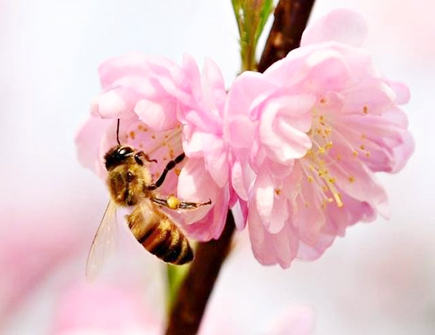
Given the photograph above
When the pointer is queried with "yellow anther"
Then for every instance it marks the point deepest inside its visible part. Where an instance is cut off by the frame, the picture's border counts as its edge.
(351, 179)
(331, 180)
(310, 179)
(365, 110)
(362, 147)
(321, 150)
(277, 191)
(322, 172)
(355, 153)
(328, 145)
(368, 154)
(173, 202)
(338, 199)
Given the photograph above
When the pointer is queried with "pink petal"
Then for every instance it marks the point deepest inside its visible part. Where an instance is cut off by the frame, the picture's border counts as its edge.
(270, 248)
(328, 68)
(403, 152)
(116, 103)
(309, 217)
(363, 186)
(283, 127)
(212, 225)
(342, 25)
(242, 177)
(401, 90)
(387, 146)
(135, 64)
(192, 79)
(217, 163)
(264, 195)
(245, 90)
(158, 115)
(352, 212)
(213, 150)
(88, 141)
(241, 131)
(196, 185)
(370, 96)
(279, 215)
(240, 212)
(214, 84)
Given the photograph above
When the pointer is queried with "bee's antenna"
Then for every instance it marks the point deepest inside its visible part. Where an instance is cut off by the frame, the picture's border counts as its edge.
(117, 133)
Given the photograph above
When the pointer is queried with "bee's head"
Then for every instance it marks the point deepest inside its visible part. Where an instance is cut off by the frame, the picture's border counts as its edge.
(117, 155)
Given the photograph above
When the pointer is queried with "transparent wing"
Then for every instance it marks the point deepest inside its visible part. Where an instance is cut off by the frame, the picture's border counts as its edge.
(104, 241)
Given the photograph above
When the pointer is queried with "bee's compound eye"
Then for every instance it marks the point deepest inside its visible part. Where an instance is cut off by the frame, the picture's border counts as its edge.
(125, 151)
(130, 176)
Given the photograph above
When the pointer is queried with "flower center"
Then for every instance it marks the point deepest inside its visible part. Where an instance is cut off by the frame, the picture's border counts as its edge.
(316, 161)
(162, 146)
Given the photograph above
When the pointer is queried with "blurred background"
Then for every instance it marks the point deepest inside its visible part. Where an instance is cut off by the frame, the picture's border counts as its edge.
(379, 279)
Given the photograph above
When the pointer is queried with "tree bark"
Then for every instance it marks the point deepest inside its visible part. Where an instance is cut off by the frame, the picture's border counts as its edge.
(291, 17)
(197, 286)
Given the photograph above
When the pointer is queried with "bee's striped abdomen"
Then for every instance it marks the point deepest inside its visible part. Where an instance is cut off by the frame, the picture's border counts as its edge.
(167, 242)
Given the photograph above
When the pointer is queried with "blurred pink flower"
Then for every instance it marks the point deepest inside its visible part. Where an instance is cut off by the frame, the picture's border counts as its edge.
(110, 309)
(166, 109)
(307, 136)
(104, 309)
(34, 243)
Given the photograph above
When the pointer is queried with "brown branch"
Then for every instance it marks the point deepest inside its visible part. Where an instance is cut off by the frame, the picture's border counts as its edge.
(196, 288)
(291, 17)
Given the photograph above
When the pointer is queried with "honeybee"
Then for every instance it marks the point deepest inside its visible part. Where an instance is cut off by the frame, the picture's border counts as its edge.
(130, 185)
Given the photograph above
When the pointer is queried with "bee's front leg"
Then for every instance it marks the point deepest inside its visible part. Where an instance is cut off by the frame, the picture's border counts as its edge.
(140, 156)
(169, 167)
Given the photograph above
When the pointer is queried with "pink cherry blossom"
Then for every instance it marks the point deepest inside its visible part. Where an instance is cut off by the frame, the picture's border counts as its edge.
(307, 136)
(165, 109)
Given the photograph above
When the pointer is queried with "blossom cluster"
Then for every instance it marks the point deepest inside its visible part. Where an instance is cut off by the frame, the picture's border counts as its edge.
(294, 148)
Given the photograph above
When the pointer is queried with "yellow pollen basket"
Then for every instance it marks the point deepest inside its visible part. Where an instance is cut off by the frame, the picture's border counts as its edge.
(173, 202)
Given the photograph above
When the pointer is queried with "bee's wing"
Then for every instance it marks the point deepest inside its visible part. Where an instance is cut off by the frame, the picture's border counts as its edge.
(104, 241)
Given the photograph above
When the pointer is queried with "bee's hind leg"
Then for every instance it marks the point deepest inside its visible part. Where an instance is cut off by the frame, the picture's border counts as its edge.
(175, 203)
